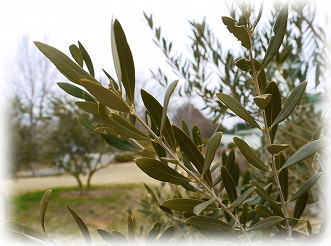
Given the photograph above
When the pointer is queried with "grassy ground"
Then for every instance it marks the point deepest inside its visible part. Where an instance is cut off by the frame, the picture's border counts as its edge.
(101, 207)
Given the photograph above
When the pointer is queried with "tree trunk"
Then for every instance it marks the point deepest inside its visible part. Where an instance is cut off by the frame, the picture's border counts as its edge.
(88, 182)
(79, 183)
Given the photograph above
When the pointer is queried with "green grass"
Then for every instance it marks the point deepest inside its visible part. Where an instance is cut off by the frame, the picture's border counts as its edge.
(103, 207)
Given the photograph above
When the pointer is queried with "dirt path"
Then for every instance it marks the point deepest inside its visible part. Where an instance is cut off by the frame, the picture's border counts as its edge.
(114, 174)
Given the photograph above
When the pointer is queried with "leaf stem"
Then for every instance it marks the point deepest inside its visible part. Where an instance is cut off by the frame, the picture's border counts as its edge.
(268, 140)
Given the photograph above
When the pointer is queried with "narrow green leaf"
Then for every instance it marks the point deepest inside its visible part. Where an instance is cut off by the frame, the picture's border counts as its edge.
(131, 230)
(196, 136)
(89, 107)
(160, 171)
(206, 222)
(211, 147)
(119, 143)
(155, 110)
(118, 236)
(88, 124)
(76, 54)
(237, 108)
(127, 74)
(239, 32)
(185, 128)
(105, 96)
(249, 154)
(283, 174)
(276, 40)
(42, 209)
(242, 197)
(64, 64)
(124, 128)
(86, 58)
(111, 80)
(266, 223)
(168, 233)
(304, 152)
(82, 226)
(167, 96)
(262, 192)
(300, 205)
(229, 184)
(106, 236)
(291, 102)
(75, 91)
(273, 108)
(262, 100)
(263, 211)
(202, 206)
(191, 151)
(276, 148)
(306, 186)
(155, 231)
(185, 204)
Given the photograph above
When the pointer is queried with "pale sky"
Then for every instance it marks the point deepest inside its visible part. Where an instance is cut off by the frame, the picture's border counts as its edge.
(65, 22)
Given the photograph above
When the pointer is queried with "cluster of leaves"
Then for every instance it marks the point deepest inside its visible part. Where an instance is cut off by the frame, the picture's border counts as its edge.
(223, 199)
(210, 68)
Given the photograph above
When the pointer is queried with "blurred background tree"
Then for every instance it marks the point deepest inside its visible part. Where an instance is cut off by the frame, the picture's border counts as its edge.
(73, 148)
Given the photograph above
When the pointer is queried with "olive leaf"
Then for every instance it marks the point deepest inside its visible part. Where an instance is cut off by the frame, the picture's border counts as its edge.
(160, 171)
(211, 147)
(184, 204)
(237, 108)
(305, 151)
(283, 174)
(206, 222)
(105, 96)
(290, 104)
(249, 154)
(119, 143)
(262, 192)
(276, 40)
(64, 64)
(124, 60)
(155, 110)
(106, 236)
(196, 136)
(89, 107)
(167, 96)
(300, 205)
(265, 223)
(168, 233)
(124, 128)
(202, 206)
(263, 211)
(276, 148)
(242, 197)
(191, 151)
(239, 32)
(262, 101)
(75, 91)
(82, 226)
(273, 108)
(152, 234)
(76, 54)
(131, 230)
(306, 185)
(86, 58)
(42, 209)
(229, 185)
